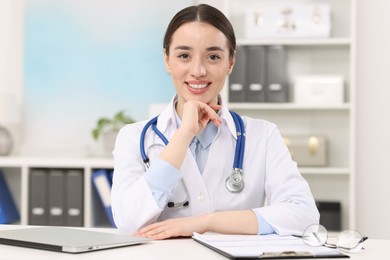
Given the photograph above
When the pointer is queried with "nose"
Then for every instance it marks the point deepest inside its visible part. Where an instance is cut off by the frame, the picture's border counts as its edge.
(198, 69)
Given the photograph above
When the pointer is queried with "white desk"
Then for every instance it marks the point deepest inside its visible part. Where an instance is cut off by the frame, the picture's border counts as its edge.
(172, 249)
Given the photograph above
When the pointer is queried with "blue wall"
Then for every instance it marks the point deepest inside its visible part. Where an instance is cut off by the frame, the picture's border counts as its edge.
(87, 59)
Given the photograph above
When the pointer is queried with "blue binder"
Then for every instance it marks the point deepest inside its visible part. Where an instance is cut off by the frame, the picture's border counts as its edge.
(102, 183)
(8, 211)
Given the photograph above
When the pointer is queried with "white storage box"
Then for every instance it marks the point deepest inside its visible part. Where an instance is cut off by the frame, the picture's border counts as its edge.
(319, 90)
(288, 20)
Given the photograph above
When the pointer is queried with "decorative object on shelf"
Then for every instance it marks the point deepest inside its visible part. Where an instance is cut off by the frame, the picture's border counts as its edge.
(9, 115)
(318, 90)
(109, 127)
(288, 20)
(308, 150)
(6, 142)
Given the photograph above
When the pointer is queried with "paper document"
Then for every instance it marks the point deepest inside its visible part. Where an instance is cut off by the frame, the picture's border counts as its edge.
(269, 246)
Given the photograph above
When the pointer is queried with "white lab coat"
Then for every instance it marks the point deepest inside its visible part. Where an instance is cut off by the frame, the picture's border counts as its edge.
(271, 177)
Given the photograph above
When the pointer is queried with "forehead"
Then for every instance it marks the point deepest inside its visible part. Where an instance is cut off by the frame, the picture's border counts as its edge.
(198, 35)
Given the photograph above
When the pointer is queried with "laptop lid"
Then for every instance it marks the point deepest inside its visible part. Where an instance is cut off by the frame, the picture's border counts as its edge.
(69, 240)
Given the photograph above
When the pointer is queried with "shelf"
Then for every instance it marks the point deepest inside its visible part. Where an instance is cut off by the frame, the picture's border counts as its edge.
(57, 162)
(286, 106)
(324, 171)
(296, 41)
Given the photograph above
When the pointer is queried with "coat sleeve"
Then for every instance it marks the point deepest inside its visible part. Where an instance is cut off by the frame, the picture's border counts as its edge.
(291, 206)
(133, 204)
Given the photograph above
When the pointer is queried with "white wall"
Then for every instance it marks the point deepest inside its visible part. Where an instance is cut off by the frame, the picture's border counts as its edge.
(11, 56)
(373, 120)
(11, 30)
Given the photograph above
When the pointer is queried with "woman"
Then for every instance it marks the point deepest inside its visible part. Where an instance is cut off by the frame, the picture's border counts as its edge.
(183, 191)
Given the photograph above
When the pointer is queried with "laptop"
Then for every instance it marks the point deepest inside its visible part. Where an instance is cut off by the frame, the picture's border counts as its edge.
(68, 240)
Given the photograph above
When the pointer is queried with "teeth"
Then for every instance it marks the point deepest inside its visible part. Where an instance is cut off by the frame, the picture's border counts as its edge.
(198, 86)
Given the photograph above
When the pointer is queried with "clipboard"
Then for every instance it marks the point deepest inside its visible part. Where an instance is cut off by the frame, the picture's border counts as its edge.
(251, 249)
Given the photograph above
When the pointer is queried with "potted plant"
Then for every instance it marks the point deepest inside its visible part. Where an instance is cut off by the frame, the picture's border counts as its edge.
(108, 128)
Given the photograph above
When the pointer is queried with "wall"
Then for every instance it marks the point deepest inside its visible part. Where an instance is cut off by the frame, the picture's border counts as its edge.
(373, 124)
(11, 60)
(11, 40)
(83, 60)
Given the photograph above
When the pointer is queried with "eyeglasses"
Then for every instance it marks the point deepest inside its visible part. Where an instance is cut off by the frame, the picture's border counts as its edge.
(348, 241)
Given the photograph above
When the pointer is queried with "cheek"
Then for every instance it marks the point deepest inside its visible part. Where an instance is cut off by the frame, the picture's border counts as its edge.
(178, 70)
(222, 72)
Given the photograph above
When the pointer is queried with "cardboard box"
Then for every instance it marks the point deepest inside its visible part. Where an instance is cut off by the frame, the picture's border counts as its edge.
(319, 90)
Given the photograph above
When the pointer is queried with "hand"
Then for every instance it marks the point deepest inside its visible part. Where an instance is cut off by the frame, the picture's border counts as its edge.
(196, 115)
(224, 222)
(178, 227)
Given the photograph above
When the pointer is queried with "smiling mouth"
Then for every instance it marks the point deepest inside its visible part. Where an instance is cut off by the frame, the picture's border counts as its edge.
(197, 86)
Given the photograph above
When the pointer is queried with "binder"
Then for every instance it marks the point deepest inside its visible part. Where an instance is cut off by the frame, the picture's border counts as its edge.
(255, 87)
(37, 197)
(276, 75)
(74, 206)
(56, 195)
(8, 211)
(330, 212)
(237, 78)
(102, 184)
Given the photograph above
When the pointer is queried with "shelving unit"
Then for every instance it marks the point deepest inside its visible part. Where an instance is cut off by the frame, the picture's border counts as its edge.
(334, 55)
(17, 170)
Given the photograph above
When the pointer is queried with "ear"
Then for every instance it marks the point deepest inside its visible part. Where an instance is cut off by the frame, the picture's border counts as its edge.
(166, 61)
(232, 62)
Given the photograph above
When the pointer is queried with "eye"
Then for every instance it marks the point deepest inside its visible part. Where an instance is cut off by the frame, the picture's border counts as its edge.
(214, 57)
(183, 56)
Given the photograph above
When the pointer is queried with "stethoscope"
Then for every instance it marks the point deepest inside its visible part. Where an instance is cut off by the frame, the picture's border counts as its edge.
(234, 183)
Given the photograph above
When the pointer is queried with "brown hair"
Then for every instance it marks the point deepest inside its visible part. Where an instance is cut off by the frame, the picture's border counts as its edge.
(202, 13)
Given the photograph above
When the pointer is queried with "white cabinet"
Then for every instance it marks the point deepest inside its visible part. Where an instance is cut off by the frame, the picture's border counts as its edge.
(17, 174)
(334, 55)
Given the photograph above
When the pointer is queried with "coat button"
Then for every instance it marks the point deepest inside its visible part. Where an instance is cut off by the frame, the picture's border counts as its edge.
(200, 196)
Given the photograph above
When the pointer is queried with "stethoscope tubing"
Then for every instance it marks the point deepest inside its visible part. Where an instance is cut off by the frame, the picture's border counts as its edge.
(240, 146)
(153, 123)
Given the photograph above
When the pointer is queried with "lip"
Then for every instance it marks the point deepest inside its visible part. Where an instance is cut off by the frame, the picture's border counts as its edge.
(198, 86)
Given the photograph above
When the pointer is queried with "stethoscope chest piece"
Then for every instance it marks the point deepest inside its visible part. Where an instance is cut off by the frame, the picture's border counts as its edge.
(235, 182)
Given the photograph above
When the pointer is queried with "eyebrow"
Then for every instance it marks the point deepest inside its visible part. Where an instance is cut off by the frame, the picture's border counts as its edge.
(214, 48)
(188, 48)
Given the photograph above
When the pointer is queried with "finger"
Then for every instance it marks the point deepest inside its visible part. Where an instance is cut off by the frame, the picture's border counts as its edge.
(148, 228)
(212, 115)
(162, 235)
(216, 120)
(154, 232)
(215, 106)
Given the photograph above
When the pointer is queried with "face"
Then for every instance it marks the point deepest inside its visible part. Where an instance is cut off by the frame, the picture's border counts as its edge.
(198, 62)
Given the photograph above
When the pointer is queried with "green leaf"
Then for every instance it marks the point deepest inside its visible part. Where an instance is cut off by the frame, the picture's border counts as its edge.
(113, 124)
